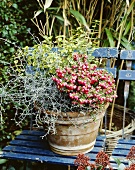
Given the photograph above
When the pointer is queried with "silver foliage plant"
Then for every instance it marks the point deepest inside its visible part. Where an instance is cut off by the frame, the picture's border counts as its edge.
(34, 95)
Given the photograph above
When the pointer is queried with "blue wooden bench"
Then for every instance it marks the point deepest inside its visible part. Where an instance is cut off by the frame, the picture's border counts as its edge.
(30, 146)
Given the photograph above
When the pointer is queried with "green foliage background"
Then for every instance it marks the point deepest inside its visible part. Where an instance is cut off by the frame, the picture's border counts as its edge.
(15, 25)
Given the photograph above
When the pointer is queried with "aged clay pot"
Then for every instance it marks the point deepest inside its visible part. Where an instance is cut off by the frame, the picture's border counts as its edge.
(74, 136)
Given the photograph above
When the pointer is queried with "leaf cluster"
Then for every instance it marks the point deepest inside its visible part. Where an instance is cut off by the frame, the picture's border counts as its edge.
(54, 53)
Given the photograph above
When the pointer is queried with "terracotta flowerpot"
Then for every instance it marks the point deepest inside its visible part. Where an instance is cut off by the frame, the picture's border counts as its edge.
(75, 136)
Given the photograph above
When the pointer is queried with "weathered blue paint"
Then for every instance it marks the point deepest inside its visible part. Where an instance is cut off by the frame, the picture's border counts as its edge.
(126, 74)
(30, 146)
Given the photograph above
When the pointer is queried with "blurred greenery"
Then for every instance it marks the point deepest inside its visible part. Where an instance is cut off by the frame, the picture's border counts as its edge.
(131, 99)
(15, 26)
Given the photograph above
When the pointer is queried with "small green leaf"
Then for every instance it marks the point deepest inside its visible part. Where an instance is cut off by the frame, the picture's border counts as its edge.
(53, 8)
(117, 161)
(106, 43)
(110, 37)
(127, 28)
(121, 167)
(4, 32)
(100, 167)
(47, 4)
(2, 161)
(11, 168)
(11, 50)
(126, 44)
(88, 168)
(79, 17)
(38, 12)
(14, 31)
(17, 132)
(6, 17)
(59, 17)
(5, 51)
(15, 6)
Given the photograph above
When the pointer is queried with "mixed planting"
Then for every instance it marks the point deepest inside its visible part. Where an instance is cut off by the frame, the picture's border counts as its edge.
(110, 23)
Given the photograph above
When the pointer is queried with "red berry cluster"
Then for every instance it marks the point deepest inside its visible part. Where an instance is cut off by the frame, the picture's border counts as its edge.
(131, 154)
(84, 83)
(131, 167)
(82, 162)
(131, 157)
(102, 159)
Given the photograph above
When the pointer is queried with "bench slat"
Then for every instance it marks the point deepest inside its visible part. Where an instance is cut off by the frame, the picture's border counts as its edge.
(123, 146)
(106, 52)
(127, 55)
(127, 74)
(38, 144)
(126, 141)
(29, 137)
(33, 132)
(38, 158)
(39, 151)
(121, 153)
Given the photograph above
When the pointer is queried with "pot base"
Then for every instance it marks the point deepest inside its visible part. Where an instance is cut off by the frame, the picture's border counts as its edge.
(70, 153)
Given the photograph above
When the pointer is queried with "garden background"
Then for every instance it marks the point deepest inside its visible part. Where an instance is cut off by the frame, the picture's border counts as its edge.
(25, 23)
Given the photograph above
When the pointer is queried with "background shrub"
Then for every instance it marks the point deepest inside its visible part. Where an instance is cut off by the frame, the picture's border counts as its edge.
(15, 26)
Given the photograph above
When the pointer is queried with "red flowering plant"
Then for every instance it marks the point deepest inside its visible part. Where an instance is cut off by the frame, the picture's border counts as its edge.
(101, 162)
(85, 85)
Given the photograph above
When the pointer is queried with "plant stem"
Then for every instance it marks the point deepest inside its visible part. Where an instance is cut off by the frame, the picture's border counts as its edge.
(100, 24)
